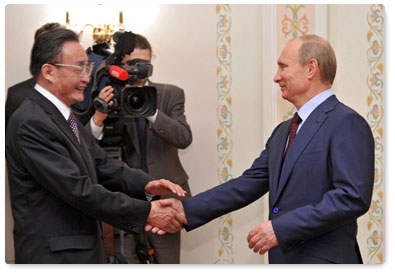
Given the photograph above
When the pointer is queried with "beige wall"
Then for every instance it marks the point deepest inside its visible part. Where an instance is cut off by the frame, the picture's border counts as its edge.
(357, 36)
(186, 41)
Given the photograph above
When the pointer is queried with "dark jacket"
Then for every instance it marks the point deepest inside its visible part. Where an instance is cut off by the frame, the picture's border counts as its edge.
(61, 190)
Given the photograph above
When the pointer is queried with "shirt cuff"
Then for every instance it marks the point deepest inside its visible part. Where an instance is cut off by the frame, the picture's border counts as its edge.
(97, 131)
(149, 197)
(152, 118)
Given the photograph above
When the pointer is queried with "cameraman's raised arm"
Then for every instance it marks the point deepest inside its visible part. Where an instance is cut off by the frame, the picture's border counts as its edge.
(96, 122)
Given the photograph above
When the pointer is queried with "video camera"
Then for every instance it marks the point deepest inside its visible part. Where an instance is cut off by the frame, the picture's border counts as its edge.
(129, 100)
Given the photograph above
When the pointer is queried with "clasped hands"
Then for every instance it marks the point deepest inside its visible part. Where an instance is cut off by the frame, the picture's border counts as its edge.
(166, 216)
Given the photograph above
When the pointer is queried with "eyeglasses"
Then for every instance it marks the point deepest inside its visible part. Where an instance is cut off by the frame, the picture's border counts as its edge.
(81, 69)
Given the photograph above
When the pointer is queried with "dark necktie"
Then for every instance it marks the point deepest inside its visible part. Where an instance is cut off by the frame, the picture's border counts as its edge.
(141, 124)
(73, 125)
(292, 131)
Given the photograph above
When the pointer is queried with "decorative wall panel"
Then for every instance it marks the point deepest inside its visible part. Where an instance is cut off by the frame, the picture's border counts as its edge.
(375, 118)
(224, 132)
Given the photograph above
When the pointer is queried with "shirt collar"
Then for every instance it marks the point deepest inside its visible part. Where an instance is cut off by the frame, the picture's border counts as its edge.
(309, 106)
(63, 108)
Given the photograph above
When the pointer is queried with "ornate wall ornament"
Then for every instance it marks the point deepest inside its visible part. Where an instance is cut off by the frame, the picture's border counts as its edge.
(295, 24)
(375, 118)
(293, 21)
(224, 132)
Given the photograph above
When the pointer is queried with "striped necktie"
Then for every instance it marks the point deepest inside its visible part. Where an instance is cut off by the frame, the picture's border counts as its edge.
(292, 131)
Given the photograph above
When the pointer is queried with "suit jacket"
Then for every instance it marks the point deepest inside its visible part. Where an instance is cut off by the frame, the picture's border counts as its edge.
(16, 94)
(165, 137)
(61, 190)
(315, 198)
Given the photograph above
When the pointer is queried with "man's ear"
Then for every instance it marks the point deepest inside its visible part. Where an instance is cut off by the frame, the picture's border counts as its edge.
(312, 68)
(48, 72)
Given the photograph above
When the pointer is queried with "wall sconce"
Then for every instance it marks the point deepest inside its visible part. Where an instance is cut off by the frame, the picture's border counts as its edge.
(97, 23)
(101, 33)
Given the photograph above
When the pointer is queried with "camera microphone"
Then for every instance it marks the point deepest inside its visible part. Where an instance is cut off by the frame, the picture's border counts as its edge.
(118, 73)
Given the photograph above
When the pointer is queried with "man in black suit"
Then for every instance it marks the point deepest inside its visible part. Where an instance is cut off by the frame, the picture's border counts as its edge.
(62, 184)
(18, 92)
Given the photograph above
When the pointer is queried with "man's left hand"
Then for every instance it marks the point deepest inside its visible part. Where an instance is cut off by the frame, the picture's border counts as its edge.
(163, 186)
(262, 238)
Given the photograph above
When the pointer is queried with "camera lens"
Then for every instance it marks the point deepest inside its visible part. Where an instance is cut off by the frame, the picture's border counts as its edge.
(135, 100)
(138, 101)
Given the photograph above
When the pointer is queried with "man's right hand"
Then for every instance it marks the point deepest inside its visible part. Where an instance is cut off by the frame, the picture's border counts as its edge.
(106, 94)
(176, 210)
(164, 217)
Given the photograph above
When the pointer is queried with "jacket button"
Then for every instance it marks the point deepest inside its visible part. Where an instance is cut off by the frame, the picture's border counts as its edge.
(275, 210)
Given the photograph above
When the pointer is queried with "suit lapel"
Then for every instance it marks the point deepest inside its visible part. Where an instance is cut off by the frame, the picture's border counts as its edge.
(59, 120)
(159, 100)
(304, 136)
(279, 147)
(54, 114)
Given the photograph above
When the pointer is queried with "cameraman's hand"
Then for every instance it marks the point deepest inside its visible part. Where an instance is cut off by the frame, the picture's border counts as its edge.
(106, 94)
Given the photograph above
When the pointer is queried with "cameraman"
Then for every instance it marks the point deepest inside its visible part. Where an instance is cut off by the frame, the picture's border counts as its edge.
(156, 152)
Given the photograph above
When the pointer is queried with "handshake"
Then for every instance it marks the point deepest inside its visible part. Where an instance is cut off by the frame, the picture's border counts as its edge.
(166, 215)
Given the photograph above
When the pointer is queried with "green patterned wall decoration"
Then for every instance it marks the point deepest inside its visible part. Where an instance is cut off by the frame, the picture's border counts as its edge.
(375, 118)
(224, 132)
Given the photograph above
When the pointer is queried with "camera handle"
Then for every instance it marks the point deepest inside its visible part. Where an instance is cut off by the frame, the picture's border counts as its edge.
(101, 105)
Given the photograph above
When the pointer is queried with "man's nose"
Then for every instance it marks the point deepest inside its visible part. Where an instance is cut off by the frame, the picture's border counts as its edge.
(86, 77)
(276, 77)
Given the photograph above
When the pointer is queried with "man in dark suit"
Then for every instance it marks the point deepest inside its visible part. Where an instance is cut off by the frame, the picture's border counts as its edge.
(17, 93)
(62, 184)
(166, 132)
(324, 182)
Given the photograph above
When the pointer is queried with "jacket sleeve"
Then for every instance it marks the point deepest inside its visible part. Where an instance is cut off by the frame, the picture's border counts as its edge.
(229, 196)
(171, 123)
